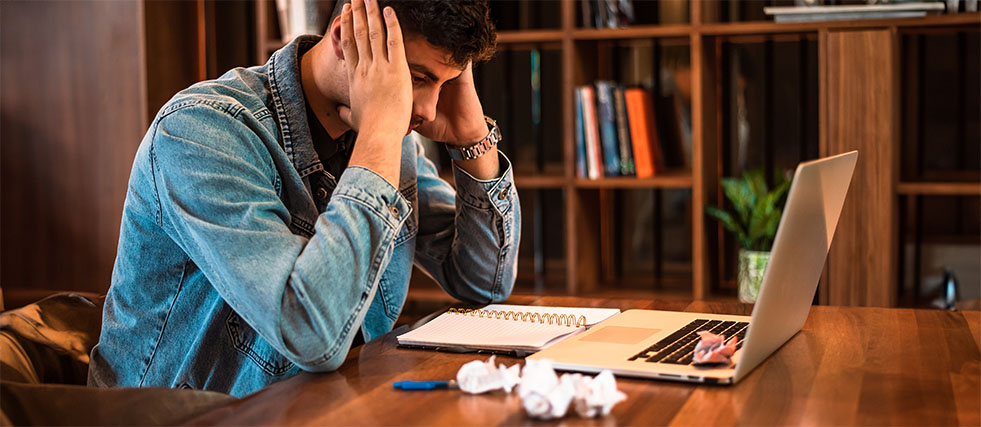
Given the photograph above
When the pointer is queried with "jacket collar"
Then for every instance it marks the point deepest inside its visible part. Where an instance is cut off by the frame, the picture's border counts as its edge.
(287, 94)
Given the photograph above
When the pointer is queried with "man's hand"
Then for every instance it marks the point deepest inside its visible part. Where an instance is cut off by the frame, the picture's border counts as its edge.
(459, 115)
(380, 86)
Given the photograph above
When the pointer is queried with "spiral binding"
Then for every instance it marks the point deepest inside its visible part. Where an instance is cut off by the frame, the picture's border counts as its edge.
(524, 316)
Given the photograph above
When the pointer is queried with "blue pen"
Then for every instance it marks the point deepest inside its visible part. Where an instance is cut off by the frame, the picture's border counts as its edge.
(424, 385)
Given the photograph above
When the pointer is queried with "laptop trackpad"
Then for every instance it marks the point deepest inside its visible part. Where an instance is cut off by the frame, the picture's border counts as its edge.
(620, 335)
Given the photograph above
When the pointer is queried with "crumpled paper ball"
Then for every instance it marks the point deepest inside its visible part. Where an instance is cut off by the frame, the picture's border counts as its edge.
(544, 395)
(477, 377)
(596, 396)
(713, 349)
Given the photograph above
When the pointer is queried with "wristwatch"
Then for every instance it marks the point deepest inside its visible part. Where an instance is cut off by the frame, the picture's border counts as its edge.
(477, 149)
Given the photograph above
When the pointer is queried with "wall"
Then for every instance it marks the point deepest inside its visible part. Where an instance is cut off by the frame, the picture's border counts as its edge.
(71, 118)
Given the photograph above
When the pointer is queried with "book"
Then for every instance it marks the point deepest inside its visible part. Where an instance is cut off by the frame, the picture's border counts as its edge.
(608, 128)
(503, 327)
(623, 133)
(643, 132)
(594, 164)
(587, 13)
(600, 17)
(580, 138)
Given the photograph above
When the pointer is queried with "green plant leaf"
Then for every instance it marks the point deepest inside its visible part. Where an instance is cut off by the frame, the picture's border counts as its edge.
(757, 208)
(757, 182)
(770, 229)
(729, 223)
(741, 197)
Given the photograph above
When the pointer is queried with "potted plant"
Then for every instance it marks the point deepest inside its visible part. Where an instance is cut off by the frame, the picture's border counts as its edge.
(753, 220)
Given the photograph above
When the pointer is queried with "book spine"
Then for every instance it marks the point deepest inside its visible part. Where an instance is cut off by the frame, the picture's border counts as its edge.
(587, 13)
(580, 138)
(623, 133)
(612, 14)
(608, 130)
(640, 124)
(600, 9)
(536, 109)
(594, 164)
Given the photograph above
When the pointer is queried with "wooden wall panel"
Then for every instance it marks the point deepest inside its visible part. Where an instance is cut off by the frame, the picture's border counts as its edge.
(174, 62)
(72, 118)
(861, 102)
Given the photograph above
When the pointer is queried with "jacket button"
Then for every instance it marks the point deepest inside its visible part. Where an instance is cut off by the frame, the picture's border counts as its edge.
(394, 210)
(502, 195)
(321, 193)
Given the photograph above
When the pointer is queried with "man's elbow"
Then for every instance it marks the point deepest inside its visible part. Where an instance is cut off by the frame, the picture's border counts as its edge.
(312, 351)
(322, 365)
(321, 361)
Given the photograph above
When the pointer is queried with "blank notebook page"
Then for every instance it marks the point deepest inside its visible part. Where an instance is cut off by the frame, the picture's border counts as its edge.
(454, 329)
(451, 329)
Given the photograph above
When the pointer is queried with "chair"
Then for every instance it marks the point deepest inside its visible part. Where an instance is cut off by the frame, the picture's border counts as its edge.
(44, 356)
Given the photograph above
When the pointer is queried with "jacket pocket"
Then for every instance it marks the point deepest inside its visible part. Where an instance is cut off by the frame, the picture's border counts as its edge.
(249, 343)
(411, 225)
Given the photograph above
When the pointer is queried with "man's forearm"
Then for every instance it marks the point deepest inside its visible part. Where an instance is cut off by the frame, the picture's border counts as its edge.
(487, 165)
(484, 167)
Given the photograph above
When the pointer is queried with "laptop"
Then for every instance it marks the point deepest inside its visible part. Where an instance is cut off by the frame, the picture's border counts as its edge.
(659, 344)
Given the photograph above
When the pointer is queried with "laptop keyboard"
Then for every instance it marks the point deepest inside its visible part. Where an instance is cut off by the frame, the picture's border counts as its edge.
(679, 347)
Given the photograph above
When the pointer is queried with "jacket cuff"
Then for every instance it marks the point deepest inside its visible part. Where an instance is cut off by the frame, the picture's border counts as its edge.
(498, 193)
(366, 187)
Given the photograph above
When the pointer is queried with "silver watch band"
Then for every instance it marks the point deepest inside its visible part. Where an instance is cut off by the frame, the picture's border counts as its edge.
(478, 148)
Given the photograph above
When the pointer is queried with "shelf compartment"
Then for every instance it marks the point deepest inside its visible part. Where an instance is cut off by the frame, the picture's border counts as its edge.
(939, 188)
(679, 180)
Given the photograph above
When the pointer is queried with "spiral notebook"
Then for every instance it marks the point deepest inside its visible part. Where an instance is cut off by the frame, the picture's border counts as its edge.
(515, 329)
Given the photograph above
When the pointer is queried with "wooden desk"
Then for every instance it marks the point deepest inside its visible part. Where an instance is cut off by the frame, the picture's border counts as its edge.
(847, 366)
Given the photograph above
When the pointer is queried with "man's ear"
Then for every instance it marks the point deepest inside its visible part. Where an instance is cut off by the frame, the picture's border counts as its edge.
(334, 32)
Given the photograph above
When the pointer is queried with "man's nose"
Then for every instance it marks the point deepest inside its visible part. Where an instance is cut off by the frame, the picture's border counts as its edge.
(424, 105)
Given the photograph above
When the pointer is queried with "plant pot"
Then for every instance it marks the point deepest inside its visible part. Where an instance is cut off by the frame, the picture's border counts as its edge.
(752, 265)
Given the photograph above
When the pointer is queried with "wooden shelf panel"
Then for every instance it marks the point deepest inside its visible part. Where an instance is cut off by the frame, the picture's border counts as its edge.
(539, 181)
(939, 188)
(713, 29)
(769, 27)
(529, 36)
(632, 32)
(679, 180)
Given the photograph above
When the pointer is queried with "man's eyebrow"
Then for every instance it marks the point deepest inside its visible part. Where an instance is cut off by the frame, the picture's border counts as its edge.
(419, 68)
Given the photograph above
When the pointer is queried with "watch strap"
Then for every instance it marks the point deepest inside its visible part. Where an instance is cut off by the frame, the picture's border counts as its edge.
(477, 149)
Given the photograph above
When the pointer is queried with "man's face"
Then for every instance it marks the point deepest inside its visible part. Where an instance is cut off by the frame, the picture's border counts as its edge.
(431, 73)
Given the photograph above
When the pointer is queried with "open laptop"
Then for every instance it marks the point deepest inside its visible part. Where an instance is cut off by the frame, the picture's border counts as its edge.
(659, 344)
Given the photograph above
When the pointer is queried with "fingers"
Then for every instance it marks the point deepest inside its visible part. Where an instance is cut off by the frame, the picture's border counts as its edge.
(348, 45)
(376, 30)
(396, 50)
(344, 113)
(361, 29)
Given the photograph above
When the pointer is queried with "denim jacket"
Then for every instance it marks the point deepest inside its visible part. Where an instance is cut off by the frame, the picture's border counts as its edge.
(228, 276)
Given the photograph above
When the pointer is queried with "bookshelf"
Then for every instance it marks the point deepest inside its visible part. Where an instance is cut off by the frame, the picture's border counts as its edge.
(832, 60)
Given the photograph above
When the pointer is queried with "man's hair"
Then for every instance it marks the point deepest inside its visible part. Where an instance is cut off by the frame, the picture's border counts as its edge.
(461, 27)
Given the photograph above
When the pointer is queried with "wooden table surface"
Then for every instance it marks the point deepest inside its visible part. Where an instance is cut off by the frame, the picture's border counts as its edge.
(848, 365)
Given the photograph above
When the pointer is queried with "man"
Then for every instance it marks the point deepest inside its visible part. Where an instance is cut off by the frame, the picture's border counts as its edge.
(274, 214)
